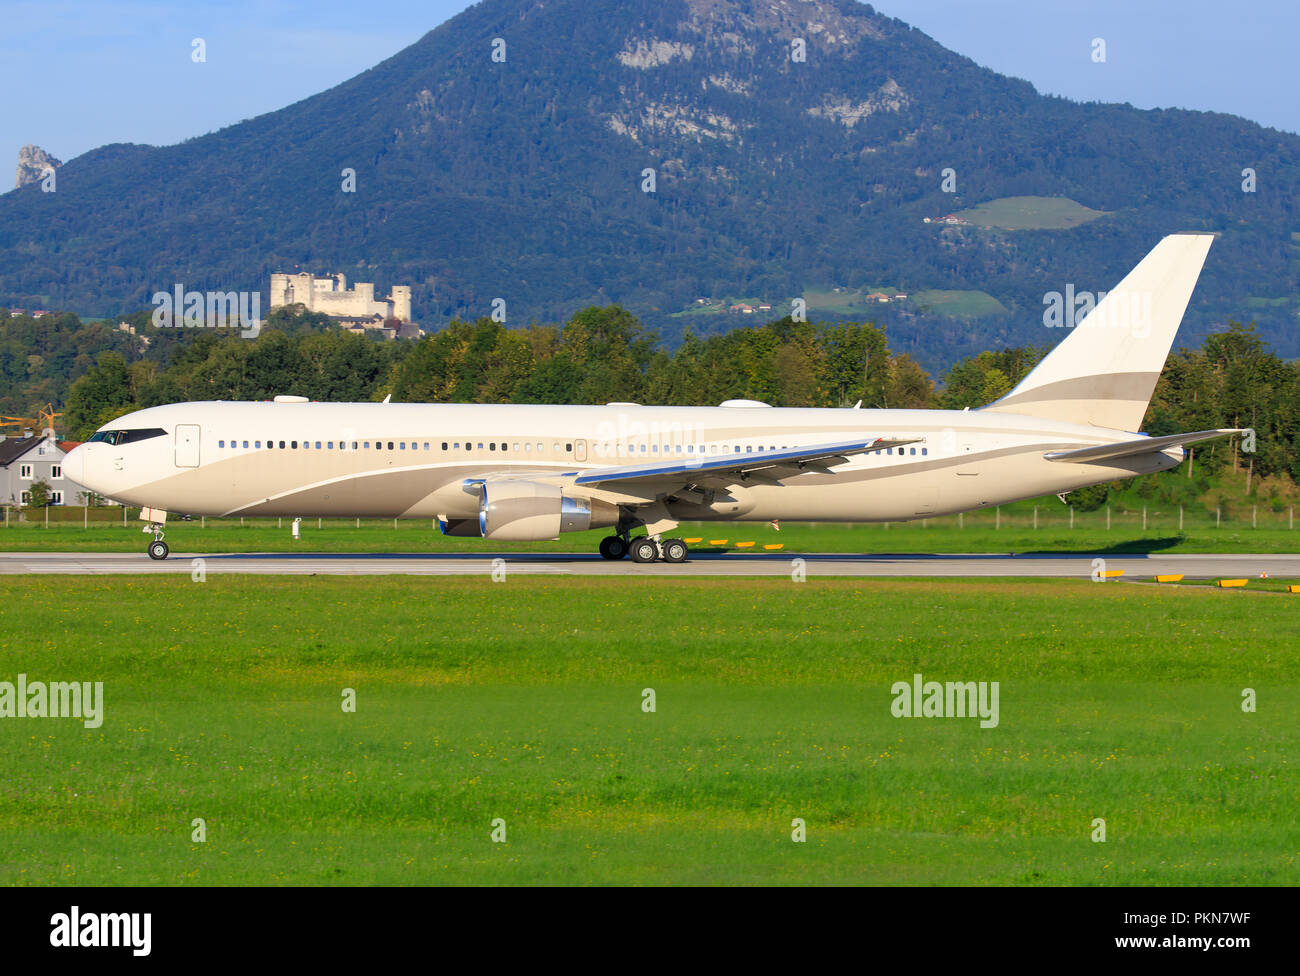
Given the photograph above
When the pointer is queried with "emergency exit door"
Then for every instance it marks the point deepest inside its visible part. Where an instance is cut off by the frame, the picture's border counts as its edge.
(187, 445)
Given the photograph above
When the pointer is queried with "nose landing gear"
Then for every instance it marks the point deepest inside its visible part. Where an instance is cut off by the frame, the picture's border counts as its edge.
(157, 549)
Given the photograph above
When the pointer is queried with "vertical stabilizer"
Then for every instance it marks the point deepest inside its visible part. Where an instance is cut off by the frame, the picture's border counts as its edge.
(1104, 372)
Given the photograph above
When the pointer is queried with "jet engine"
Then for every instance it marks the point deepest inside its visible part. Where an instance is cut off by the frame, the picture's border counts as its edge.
(526, 511)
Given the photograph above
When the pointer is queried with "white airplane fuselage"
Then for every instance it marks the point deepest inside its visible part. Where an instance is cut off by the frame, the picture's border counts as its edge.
(415, 460)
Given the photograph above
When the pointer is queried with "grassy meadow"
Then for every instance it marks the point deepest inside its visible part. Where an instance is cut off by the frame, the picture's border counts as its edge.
(523, 700)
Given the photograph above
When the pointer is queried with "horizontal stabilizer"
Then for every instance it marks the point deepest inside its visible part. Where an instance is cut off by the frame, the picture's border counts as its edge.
(1142, 445)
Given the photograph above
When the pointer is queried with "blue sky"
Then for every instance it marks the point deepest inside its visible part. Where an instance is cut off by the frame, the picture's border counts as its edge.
(82, 73)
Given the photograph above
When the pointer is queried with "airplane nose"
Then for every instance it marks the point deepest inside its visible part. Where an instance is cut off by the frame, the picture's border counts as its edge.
(74, 465)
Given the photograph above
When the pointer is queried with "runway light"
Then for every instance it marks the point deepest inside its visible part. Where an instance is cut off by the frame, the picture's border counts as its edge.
(1233, 582)
(691, 542)
(717, 542)
(1170, 578)
(743, 545)
(775, 545)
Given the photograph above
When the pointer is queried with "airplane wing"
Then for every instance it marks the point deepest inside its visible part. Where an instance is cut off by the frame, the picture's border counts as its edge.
(1142, 445)
(763, 467)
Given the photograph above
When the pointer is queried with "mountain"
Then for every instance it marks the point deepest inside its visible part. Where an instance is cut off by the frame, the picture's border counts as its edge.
(522, 179)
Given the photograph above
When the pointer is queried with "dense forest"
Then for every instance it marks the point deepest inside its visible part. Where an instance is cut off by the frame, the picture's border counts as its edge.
(603, 354)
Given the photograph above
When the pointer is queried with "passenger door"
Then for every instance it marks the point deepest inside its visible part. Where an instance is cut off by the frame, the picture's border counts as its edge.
(187, 445)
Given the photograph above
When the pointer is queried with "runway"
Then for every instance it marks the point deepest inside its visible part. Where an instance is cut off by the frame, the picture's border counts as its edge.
(1059, 565)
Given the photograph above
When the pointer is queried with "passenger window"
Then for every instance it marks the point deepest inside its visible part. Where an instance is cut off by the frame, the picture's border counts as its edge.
(924, 450)
(245, 443)
(282, 445)
(444, 445)
(221, 444)
(557, 448)
(528, 447)
(492, 446)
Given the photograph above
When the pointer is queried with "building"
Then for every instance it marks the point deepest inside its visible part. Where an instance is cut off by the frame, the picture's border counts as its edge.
(331, 296)
(26, 460)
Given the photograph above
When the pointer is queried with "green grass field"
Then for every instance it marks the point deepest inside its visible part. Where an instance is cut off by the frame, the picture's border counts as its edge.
(963, 304)
(1031, 213)
(1011, 529)
(522, 700)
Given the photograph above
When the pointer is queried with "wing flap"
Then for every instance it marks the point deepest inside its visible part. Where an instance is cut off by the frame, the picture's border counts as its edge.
(764, 466)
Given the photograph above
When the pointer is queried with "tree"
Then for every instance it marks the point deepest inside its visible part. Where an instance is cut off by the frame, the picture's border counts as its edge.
(99, 396)
(38, 495)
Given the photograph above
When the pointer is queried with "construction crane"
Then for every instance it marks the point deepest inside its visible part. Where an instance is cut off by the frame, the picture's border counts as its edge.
(44, 421)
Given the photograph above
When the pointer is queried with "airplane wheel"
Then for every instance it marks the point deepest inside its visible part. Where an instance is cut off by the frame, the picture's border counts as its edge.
(675, 551)
(644, 551)
(158, 550)
(613, 547)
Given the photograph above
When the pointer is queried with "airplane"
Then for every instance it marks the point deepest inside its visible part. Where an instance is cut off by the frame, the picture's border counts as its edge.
(504, 472)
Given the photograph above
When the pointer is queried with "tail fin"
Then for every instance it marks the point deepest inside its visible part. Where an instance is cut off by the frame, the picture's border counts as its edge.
(1104, 372)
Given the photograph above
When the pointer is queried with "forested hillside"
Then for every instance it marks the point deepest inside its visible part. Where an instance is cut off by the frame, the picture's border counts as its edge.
(774, 176)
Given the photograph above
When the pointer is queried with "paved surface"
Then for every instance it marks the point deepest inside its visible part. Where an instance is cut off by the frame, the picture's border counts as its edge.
(704, 564)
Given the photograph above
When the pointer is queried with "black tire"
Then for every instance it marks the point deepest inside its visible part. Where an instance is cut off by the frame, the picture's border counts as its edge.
(675, 551)
(613, 547)
(644, 551)
(158, 550)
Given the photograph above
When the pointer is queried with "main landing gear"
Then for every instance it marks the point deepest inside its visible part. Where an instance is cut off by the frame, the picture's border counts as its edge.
(644, 549)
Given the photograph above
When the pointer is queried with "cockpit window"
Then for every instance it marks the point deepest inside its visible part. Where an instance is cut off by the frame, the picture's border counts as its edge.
(126, 436)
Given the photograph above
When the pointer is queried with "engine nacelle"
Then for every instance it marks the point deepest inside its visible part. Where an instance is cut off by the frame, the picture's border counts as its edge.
(526, 511)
